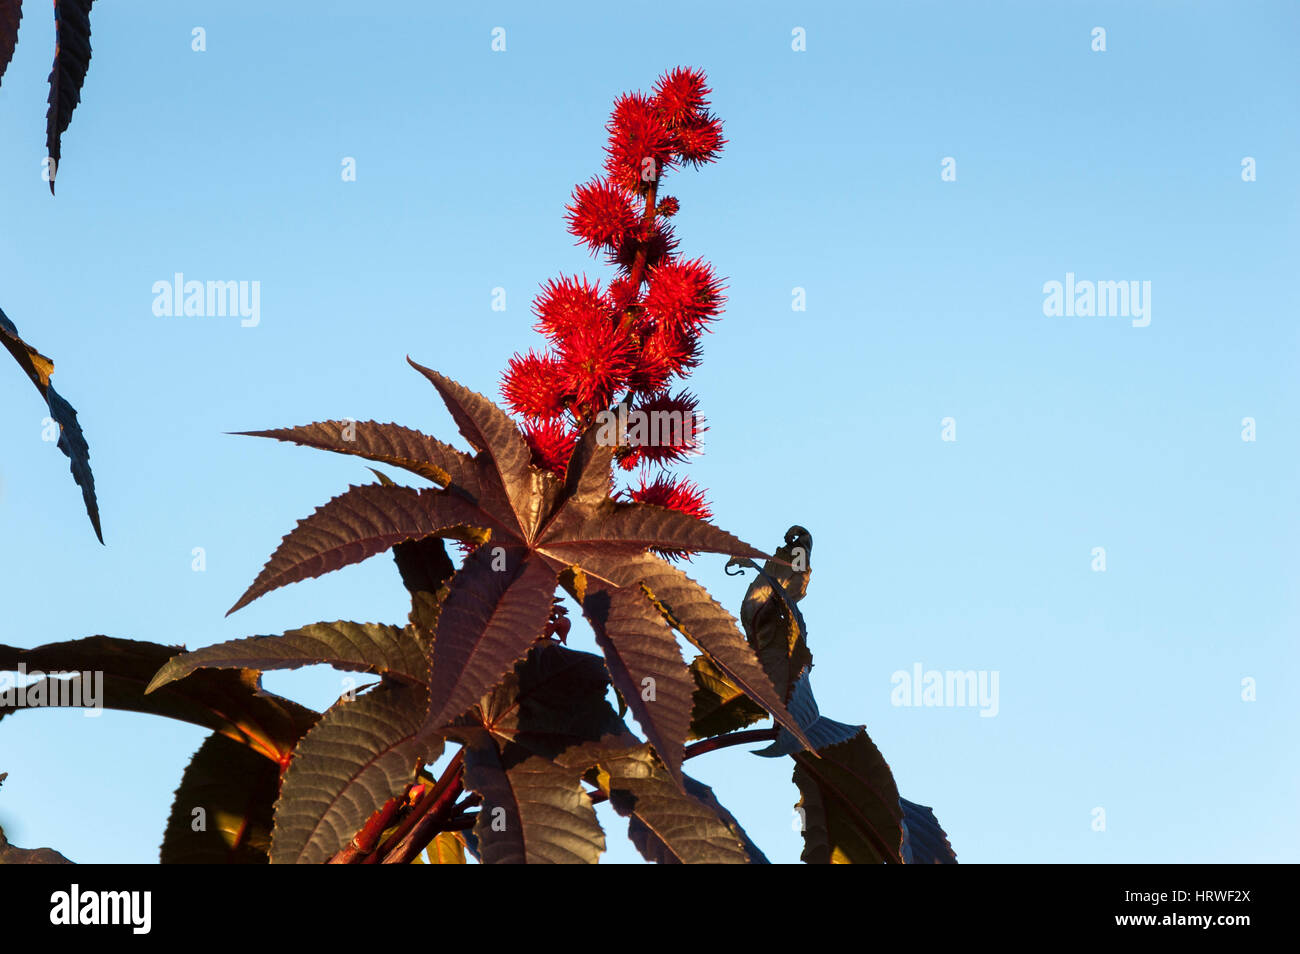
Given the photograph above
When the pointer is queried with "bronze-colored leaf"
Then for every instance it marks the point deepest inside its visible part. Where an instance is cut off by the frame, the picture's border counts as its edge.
(353, 647)
(645, 666)
(497, 605)
(490, 431)
(384, 443)
(533, 811)
(553, 709)
(553, 703)
(691, 611)
(231, 702)
(354, 526)
(669, 825)
(588, 478)
(637, 525)
(362, 753)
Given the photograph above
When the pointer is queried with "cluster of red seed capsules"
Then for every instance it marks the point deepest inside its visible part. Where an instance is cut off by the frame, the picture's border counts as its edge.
(633, 339)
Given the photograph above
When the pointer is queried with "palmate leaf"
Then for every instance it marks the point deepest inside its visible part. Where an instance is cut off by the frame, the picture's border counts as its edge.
(645, 666)
(519, 503)
(492, 433)
(11, 13)
(496, 607)
(232, 703)
(383, 443)
(223, 807)
(71, 441)
(667, 825)
(575, 530)
(588, 477)
(691, 611)
(358, 756)
(849, 804)
(13, 855)
(553, 702)
(533, 811)
(354, 647)
(71, 62)
(530, 529)
(553, 709)
(354, 526)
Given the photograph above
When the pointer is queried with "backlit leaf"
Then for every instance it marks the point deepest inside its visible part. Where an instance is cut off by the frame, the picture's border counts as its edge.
(645, 666)
(697, 616)
(497, 605)
(533, 811)
(383, 443)
(668, 825)
(354, 647)
(221, 813)
(360, 754)
(354, 526)
(490, 431)
(448, 848)
(231, 702)
(636, 525)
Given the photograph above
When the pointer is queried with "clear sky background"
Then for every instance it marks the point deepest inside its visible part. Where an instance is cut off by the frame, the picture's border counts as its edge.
(1119, 689)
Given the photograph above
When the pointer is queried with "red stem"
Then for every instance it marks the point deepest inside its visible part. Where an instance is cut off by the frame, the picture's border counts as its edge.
(428, 802)
(647, 220)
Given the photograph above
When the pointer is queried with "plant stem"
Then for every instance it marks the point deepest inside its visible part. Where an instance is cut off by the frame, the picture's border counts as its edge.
(441, 808)
(429, 802)
(426, 829)
(735, 738)
(647, 220)
(364, 841)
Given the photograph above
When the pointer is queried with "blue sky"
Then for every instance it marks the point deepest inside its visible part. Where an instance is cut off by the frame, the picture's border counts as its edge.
(1119, 690)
